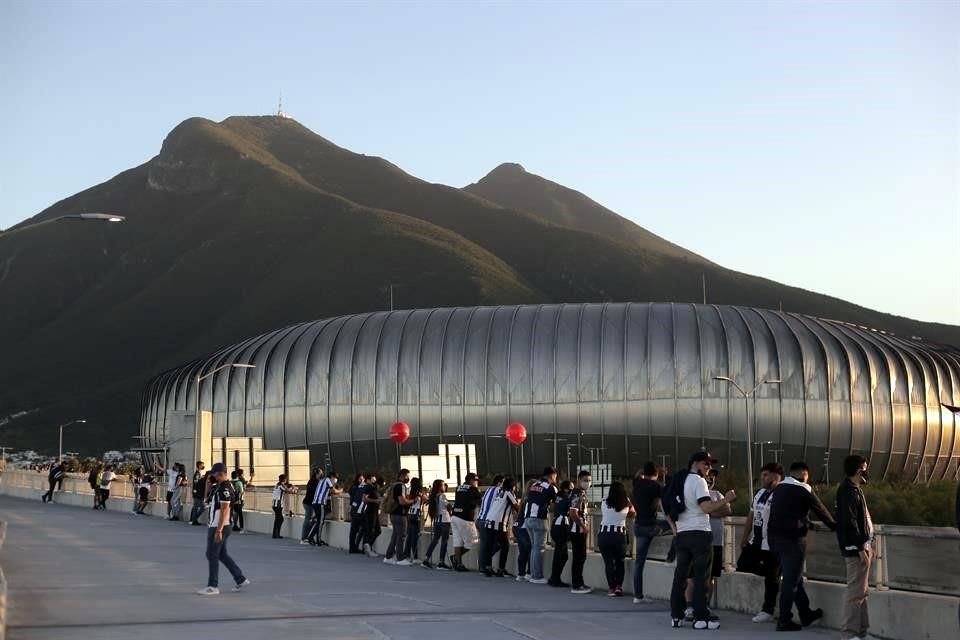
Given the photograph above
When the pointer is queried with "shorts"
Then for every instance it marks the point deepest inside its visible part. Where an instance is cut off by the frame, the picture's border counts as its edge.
(717, 566)
(464, 533)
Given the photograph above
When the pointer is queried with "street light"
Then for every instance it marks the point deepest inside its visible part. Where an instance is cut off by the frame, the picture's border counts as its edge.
(100, 217)
(204, 377)
(746, 406)
(555, 441)
(62, 427)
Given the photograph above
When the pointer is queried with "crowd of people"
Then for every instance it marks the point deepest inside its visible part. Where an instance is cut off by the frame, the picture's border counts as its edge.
(686, 504)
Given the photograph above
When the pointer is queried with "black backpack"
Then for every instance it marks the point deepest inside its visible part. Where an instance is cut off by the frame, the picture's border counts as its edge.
(672, 497)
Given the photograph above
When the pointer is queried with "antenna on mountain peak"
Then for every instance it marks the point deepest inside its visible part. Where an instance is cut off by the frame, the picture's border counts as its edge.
(280, 113)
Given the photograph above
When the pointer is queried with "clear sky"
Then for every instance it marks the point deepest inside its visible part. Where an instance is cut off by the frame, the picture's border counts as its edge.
(817, 144)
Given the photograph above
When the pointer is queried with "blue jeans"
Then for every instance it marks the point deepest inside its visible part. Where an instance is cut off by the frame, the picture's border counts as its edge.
(399, 525)
(523, 550)
(307, 522)
(217, 553)
(791, 553)
(537, 529)
(644, 535)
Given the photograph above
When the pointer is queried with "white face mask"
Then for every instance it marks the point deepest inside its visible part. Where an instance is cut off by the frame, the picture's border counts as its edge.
(585, 484)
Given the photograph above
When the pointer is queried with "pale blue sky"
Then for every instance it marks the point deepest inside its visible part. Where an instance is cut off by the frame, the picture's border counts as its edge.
(817, 144)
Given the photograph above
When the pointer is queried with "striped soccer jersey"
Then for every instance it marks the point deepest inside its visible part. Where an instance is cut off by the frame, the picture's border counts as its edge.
(323, 491)
(500, 511)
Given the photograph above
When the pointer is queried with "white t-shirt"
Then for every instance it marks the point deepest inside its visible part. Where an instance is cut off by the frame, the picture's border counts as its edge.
(693, 518)
(610, 517)
(106, 479)
(172, 477)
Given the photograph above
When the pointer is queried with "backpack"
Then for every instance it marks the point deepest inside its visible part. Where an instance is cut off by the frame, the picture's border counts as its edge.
(389, 503)
(672, 497)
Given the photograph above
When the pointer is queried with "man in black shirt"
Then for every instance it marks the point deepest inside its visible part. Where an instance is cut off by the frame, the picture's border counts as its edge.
(646, 500)
(855, 536)
(199, 493)
(371, 498)
(55, 477)
(400, 502)
(792, 502)
(462, 525)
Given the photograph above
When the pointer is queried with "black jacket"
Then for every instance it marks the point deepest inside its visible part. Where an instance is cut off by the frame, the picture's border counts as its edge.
(790, 506)
(852, 531)
(310, 490)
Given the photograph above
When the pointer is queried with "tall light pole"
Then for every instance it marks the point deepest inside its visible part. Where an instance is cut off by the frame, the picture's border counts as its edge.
(62, 427)
(204, 377)
(97, 217)
(555, 441)
(746, 409)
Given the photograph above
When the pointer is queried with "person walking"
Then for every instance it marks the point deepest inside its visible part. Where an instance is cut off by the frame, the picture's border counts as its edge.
(439, 512)
(199, 493)
(54, 477)
(497, 524)
(411, 552)
(280, 490)
(756, 539)
(536, 508)
(646, 502)
(307, 503)
(357, 513)
(855, 537)
(559, 532)
(579, 517)
(690, 506)
(486, 541)
(218, 530)
(793, 500)
(320, 501)
(465, 504)
(106, 479)
(397, 504)
(612, 537)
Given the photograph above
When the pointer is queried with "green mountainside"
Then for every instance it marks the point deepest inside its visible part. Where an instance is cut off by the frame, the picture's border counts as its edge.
(242, 226)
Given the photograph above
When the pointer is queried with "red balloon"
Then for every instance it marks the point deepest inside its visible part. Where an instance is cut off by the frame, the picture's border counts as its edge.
(400, 432)
(516, 433)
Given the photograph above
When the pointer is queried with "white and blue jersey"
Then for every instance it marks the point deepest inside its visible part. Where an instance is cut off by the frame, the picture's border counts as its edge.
(322, 493)
(485, 505)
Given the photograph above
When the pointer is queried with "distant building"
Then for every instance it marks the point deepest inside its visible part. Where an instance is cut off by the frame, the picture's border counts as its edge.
(614, 384)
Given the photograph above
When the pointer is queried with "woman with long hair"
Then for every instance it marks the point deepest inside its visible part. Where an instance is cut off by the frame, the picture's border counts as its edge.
(504, 505)
(411, 551)
(440, 517)
(612, 539)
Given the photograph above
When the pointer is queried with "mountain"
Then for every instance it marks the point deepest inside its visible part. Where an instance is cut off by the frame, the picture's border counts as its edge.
(242, 226)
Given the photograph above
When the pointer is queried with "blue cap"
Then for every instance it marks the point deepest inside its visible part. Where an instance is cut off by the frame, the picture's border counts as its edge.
(219, 468)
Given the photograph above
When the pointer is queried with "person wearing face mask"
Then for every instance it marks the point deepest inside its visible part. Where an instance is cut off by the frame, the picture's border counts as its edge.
(757, 541)
(579, 530)
(855, 536)
(559, 533)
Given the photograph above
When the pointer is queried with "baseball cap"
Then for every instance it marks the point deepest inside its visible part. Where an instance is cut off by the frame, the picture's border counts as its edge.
(701, 456)
(218, 468)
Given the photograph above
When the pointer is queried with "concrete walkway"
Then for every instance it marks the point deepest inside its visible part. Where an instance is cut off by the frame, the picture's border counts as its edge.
(76, 572)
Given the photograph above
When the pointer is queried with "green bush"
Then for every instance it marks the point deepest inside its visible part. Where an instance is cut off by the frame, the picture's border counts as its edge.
(927, 505)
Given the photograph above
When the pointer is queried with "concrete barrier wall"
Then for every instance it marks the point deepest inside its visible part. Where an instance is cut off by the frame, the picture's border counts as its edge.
(894, 614)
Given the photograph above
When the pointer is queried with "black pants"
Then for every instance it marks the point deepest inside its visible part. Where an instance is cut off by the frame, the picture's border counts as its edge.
(196, 510)
(488, 545)
(771, 581)
(315, 533)
(613, 548)
(790, 554)
(237, 509)
(277, 521)
(373, 529)
(501, 543)
(412, 549)
(49, 494)
(441, 533)
(358, 528)
(559, 533)
(694, 555)
(578, 543)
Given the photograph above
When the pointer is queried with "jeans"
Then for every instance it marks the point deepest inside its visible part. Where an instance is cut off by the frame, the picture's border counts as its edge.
(49, 494)
(694, 554)
(196, 509)
(537, 530)
(559, 533)
(307, 522)
(176, 505)
(644, 535)
(315, 532)
(217, 553)
(372, 529)
(613, 548)
(412, 548)
(441, 533)
(523, 550)
(790, 553)
(578, 543)
(358, 527)
(399, 524)
(277, 521)
(771, 581)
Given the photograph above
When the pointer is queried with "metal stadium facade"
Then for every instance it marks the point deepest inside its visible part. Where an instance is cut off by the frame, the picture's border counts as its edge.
(627, 382)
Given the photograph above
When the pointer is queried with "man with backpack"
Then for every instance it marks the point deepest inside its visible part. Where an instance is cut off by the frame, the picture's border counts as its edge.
(688, 504)
(396, 502)
(199, 493)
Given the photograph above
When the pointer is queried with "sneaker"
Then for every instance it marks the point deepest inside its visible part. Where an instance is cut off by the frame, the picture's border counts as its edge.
(676, 623)
(561, 584)
(688, 614)
(461, 568)
(305, 542)
(763, 616)
(403, 563)
(503, 574)
(389, 561)
(581, 589)
(789, 626)
(611, 593)
(521, 578)
(811, 617)
(487, 572)
(442, 566)
(537, 580)
(426, 564)
(642, 600)
(713, 622)
(618, 592)
(208, 591)
(372, 554)
(240, 585)
(416, 562)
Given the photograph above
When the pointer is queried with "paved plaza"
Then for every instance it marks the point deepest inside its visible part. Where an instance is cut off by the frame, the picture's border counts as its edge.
(75, 572)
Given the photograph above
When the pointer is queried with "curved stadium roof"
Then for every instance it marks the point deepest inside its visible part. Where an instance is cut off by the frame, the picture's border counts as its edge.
(631, 380)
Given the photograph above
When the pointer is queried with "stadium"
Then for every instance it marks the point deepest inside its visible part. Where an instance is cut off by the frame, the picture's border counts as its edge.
(613, 384)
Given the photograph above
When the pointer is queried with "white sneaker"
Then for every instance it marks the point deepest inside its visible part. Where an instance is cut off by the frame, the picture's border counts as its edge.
(389, 561)
(403, 563)
(583, 589)
(763, 616)
(520, 578)
(238, 587)
(537, 580)
(688, 614)
(712, 623)
(643, 600)
(304, 542)
(417, 562)
(372, 554)
(208, 591)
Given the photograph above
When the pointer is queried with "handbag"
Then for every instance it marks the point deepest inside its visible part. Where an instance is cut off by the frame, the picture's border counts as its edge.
(751, 560)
